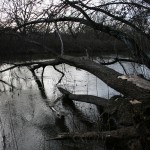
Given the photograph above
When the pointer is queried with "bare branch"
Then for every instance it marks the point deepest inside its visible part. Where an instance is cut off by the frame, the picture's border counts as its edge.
(36, 64)
(115, 17)
(125, 3)
(59, 72)
(117, 60)
(8, 84)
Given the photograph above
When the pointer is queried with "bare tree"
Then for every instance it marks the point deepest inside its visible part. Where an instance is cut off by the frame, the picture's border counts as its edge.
(20, 12)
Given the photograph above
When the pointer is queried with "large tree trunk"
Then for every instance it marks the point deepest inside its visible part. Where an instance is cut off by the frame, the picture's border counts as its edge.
(109, 76)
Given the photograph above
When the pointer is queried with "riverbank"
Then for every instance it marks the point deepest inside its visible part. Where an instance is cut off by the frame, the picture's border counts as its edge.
(8, 58)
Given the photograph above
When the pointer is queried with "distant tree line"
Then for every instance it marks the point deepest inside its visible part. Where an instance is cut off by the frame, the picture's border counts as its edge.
(12, 42)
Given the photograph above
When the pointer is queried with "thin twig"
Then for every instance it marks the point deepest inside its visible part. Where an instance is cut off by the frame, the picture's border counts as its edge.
(59, 72)
(123, 68)
(42, 76)
(61, 41)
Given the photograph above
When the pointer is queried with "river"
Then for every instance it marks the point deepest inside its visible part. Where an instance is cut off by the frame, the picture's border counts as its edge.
(27, 123)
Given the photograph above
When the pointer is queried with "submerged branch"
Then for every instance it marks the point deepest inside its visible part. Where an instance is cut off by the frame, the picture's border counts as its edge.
(85, 98)
(123, 133)
(40, 85)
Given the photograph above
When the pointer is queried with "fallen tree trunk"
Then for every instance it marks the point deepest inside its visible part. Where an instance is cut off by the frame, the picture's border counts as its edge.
(109, 76)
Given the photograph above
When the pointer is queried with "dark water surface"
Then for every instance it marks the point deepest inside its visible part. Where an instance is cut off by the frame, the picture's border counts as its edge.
(28, 123)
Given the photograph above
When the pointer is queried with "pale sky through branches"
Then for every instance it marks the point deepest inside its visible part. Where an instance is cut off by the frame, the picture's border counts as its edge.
(6, 5)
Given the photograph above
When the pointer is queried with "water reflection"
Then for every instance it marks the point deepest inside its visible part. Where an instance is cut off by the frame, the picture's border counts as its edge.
(27, 120)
